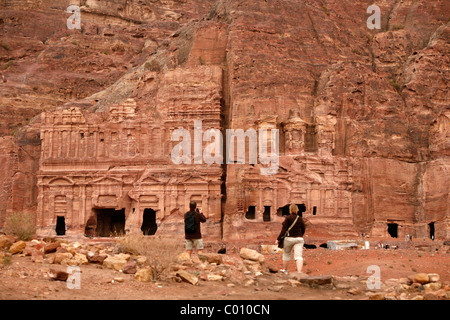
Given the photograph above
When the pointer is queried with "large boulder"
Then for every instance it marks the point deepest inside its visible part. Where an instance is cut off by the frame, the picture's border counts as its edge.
(187, 277)
(323, 281)
(34, 245)
(143, 275)
(421, 278)
(250, 254)
(59, 275)
(117, 261)
(183, 257)
(129, 267)
(94, 257)
(433, 277)
(62, 257)
(77, 259)
(17, 247)
(51, 247)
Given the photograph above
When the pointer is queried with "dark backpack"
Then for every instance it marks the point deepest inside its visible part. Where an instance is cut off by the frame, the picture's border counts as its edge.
(189, 223)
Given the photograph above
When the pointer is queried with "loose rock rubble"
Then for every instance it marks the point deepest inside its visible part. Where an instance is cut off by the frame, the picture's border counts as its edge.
(419, 286)
(249, 269)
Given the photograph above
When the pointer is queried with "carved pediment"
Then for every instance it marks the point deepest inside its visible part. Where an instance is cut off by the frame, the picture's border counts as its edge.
(150, 180)
(60, 181)
(107, 181)
(194, 180)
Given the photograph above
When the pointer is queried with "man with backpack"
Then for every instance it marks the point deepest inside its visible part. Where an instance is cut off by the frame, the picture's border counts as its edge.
(193, 235)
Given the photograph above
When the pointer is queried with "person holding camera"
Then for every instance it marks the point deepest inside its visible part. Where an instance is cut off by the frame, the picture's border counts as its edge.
(192, 231)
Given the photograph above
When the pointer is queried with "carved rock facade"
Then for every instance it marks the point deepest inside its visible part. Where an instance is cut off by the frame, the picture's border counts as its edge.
(362, 117)
(115, 165)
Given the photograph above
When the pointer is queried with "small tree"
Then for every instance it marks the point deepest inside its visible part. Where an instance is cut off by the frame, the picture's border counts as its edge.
(21, 225)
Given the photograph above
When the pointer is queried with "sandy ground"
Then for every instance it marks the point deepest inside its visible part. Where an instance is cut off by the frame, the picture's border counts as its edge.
(23, 279)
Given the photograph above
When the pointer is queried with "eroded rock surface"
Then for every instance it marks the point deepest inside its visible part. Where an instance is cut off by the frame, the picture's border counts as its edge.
(87, 116)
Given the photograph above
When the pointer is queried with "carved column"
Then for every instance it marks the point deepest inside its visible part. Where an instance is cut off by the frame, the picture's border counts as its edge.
(51, 144)
(95, 143)
(59, 143)
(173, 200)
(43, 144)
(48, 218)
(40, 207)
(161, 204)
(71, 220)
(82, 210)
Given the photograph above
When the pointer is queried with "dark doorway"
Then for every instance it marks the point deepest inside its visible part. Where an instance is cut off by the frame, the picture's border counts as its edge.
(110, 222)
(60, 226)
(149, 225)
(314, 211)
(393, 230)
(250, 214)
(284, 211)
(301, 209)
(266, 213)
(431, 229)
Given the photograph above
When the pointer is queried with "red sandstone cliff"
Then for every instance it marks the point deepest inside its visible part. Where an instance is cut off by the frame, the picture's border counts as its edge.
(371, 106)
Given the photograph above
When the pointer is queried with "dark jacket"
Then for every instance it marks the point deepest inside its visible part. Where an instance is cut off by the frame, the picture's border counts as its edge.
(298, 230)
(199, 217)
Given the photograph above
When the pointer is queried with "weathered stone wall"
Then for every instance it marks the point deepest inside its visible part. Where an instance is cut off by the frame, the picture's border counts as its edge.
(121, 159)
(373, 97)
(362, 114)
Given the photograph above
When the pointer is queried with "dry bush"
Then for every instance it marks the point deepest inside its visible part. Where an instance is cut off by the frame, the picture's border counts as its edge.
(160, 252)
(21, 225)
